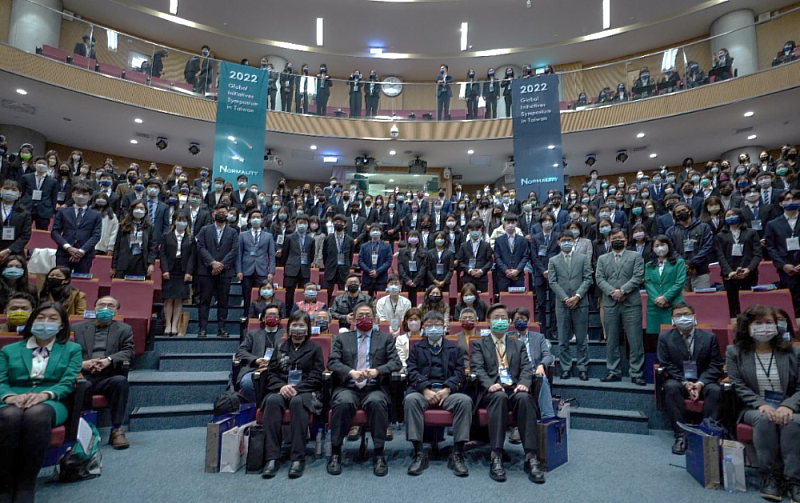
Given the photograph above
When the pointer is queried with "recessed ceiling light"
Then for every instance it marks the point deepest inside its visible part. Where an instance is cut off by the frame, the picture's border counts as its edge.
(416, 175)
(470, 152)
(22, 92)
(134, 142)
(653, 155)
(319, 31)
(138, 120)
(313, 147)
(749, 114)
(640, 135)
(555, 165)
(551, 147)
(464, 35)
(391, 180)
(752, 137)
(392, 152)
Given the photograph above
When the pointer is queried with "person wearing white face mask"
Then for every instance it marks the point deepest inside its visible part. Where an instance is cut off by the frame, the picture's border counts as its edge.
(739, 252)
(255, 256)
(664, 278)
(76, 231)
(692, 365)
(39, 193)
(765, 374)
(16, 221)
(392, 308)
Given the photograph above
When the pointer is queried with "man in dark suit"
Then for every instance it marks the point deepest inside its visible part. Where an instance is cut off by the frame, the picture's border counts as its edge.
(443, 94)
(544, 246)
(86, 48)
(16, 221)
(287, 81)
(242, 194)
(198, 217)
(217, 246)
(560, 214)
(372, 94)
(362, 362)
(356, 226)
(298, 253)
(511, 254)
(215, 196)
(693, 365)
(666, 221)
(446, 206)
(157, 211)
(106, 183)
(106, 344)
(337, 256)
(491, 91)
(475, 257)
(505, 379)
(375, 259)
(76, 231)
(757, 214)
(782, 238)
(39, 194)
(255, 257)
(694, 200)
(435, 380)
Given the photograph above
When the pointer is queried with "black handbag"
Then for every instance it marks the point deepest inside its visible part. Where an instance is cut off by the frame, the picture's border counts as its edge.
(255, 453)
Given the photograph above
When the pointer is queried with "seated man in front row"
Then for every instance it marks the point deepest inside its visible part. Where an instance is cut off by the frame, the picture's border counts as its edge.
(106, 344)
(505, 377)
(693, 364)
(362, 363)
(436, 379)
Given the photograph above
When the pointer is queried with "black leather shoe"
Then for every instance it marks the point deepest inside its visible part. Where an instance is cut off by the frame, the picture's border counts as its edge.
(296, 469)
(584, 376)
(379, 466)
(679, 447)
(456, 463)
(515, 437)
(535, 474)
(496, 470)
(389, 434)
(611, 378)
(271, 469)
(335, 464)
(771, 488)
(566, 374)
(639, 381)
(354, 433)
(222, 333)
(794, 493)
(418, 463)
(202, 334)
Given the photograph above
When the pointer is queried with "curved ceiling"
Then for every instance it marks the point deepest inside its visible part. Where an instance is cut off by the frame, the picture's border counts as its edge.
(551, 31)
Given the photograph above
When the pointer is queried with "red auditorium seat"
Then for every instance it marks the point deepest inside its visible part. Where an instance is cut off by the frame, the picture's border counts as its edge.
(101, 267)
(40, 239)
(437, 417)
(54, 53)
(767, 273)
(136, 298)
(715, 273)
(83, 62)
(711, 308)
(483, 418)
(744, 433)
(160, 83)
(776, 298)
(183, 86)
(135, 76)
(111, 70)
(58, 435)
(515, 300)
(324, 344)
(91, 287)
(156, 277)
(278, 276)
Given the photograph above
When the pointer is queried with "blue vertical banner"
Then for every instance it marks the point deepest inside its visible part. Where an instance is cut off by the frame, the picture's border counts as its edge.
(537, 136)
(241, 123)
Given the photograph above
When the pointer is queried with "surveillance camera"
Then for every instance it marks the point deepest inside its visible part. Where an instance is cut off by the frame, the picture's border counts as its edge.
(394, 131)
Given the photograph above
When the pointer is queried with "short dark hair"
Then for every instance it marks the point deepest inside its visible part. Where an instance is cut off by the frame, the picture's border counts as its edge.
(63, 335)
(82, 187)
(495, 307)
(680, 305)
(353, 275)
(616, 230)
(522, 312)
(301, 316)
(566, 234)
(20, 294)
(363, 304)
(512, 217)
(743, 339)
(393, 277)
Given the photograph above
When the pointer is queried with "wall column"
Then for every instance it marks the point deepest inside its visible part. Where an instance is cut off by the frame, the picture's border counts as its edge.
(740, 42)
(32, 25)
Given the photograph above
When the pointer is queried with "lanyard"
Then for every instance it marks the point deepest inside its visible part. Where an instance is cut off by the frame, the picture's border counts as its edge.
(256, 236)
(339, 244)
(768, 369)
(302, 238)
(7, 216)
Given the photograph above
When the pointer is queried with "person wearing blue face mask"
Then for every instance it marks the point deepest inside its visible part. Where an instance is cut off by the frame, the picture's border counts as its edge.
(781, 238)
(38, 375)
(621, 94)
(372, 94)
(298, 254)
(506, 86)
(491, 91)
(39, 193)
(199, 71)
(355, 83)
(105, 345)
(670, 82)
(443, 93)
(787, 55)
(644, 86)
(324, 84)
(86, 48)
(472, 93)
(694, 76)
(288, 83)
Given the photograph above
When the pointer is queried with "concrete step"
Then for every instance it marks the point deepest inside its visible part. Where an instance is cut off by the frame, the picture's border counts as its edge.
(150, 387)
(615, 421)
(235, 312)
(194, 362)
(233, 327)
(193, 344)
(166, 417)
(597, 368)
(597, 349)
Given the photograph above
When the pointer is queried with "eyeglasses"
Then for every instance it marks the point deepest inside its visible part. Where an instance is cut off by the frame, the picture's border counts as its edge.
(108, 305)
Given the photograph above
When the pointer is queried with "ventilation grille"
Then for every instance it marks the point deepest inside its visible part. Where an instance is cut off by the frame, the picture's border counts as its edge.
(744, 130)
(641, 149)
(16, 106)
(143, 136)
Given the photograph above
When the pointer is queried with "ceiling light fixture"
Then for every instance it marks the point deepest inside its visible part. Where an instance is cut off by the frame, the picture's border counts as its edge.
(591, 159)
(752, 137)
(22, 92)
(330, 159)
(392, 152)
(134, 142)
(749, 114)
(138, 120)
(464, 32)
(173, 7)
(375, 50)
(555, 165)
(391, 180)
(162, 143)
(194, 148)
(551, 147)
(606, 14)
(313, 147)
(653, 155)
(319, 31)
(622, 156)
(470, 152)
(640, 135)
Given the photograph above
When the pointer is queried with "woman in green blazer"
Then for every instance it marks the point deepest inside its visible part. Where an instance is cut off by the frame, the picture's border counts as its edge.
(36, 375)
(664, 276)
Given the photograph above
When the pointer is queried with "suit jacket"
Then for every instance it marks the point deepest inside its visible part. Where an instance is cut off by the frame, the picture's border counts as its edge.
(664, 223)
(80, 48)
(741, 367)
(483, 363)
(627, 277)
(492, 93)
(526, 223)
(83, 235)
(696, 203)
(361, 226)
(483, 259)
(540, 262)
(307, 358)
(505, 259)
(384, 261)
(566, 283)
(209, 250)
(372, 88)
(751, 252)
(238, 202)
(255, 344)
(538, 349)
(775, 236)
(212, 199)
(419, 365)
(391, 222)
(668, 284)
(202, 219)
(766, 213)
(119, 344)
(45, 207)
(330, 254)
(703, 244)
(672, 352)
(122, 249)
(127, 200)
(419, 277)
(447, 263)
(252, 258)
(162, 220)
(443, 83)
(169, 252)
(63, 367)
(21, 222)
(344, 358)
(292, 252)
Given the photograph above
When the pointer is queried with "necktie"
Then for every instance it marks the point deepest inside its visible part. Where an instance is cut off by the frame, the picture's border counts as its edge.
(80, 215)
(568, 258)
(616, 258)
(363, 350)
(546, 240)
(41, 351)
(501, 354)
(766, 196)
(152, 211)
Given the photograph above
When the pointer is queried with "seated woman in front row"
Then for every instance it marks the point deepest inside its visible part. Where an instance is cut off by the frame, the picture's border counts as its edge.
(58, 288)
(37, 374)
(763, 367)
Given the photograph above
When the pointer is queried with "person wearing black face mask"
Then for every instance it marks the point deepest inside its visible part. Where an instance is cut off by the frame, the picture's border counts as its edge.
(491, 92)
(723, 66)
(324, 84)
(372, 94)
(694, 243)
(354, 86)
(287, 87)
(58, 288)
(217, 247)
(301, 92)
(337, 255)
(443, 93)
(506, 86)
(472, 93)
(272, 82)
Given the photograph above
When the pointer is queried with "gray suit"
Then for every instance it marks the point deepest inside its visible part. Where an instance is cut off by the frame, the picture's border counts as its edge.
(627, 276)
(773, 443)
(565, 283)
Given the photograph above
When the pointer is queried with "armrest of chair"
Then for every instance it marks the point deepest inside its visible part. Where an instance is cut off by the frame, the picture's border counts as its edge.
(659, 376)
(729, 406)
(551, 372)
(122, 368)
(75, 406)
(537, 385)
(260, 385)
(236, 367)
(327, 386)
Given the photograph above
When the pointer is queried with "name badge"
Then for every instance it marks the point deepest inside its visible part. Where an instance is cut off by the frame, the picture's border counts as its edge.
(374, 259)
(253, 253)
(485, 332)
(304, 258)
(295, 376)
(688, 245)
(37, 195)
(756, 224)
(9, 233)
(81, 275)
(314, 330)
(505, 377)
(287, 84)
(773, 398)
(355, 229)
(792, 244)
(737, 250)
(436, 386)
(340, 259)
(542, 251)
(516, 289)
(268, 353)
(440, 269)
(412, 266)
(472, 263)
(394, 324)
(690, 370)
(61, 197)
(279, 239)
(136, 249)
(330, 227)
(129, 277)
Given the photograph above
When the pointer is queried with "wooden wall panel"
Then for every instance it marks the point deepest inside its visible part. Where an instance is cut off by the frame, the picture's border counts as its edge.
(120, 163)
(772, 35)
(5, 19)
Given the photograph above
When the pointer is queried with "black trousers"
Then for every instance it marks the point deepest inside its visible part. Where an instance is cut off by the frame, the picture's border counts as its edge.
(301, 103)
(472, 108)
(322, 104)
(355, 104)
(286, 100)
(347, 401)
(443, 106)
(248, 282)
(491, 108)
(115, 389)
(523, 408)
(481, 284)
(273, 93)
(675, 406)
(371, 103)
(734, 286)
(24, 440)
(508, 105)
(82, 266)
(545, 300)
(41, 222)
(793, 284)
(218, 286)
(274, 406)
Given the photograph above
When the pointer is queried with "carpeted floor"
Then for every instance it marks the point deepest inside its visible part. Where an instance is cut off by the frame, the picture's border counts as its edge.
(167, 466)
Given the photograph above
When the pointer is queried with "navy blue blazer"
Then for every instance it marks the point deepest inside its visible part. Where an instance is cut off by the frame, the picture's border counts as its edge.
(384, 261)
(540, 263)
(46, 207)
(83, 235)
(505, 259)
(161, 224)
(210, 251)
(563, 215)
(252, 258)
(664, 223)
